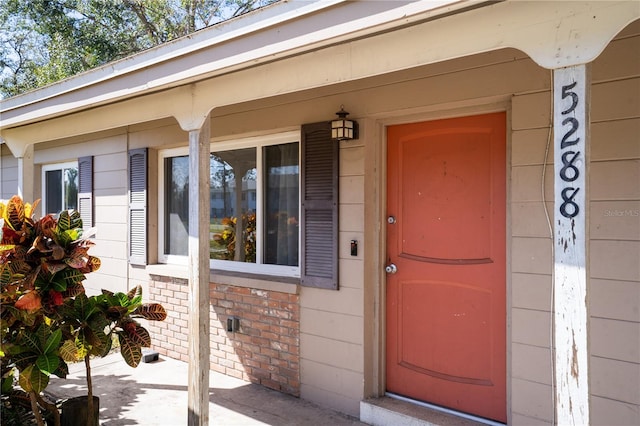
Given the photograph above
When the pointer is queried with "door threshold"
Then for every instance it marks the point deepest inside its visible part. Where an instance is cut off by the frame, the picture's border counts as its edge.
(393, 410)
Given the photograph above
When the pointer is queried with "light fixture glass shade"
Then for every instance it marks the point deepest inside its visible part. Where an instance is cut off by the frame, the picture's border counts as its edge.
(343, 129)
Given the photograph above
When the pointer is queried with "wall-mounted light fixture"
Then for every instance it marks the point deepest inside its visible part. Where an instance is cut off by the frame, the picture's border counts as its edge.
(343, 129)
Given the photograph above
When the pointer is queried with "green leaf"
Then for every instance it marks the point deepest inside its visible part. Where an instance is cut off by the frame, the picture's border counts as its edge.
(71, 234)
(24, 359)
(98, 342)
(48, 363)
(107, 347)
(62, 371)
(64, 240)
(43, 333)
(130, 351)
(64, 222)
(53, 342)
(136, 301)
(72, 277)
(98, 321)
(5, 273)
(75, 222)
(30, 340)
(81, 306)
(58, 285)
(7, 383)
(123, 299)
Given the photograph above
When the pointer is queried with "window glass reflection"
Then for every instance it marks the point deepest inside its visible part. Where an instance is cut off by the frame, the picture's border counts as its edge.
(176, 205)
(233, 205)
(281, 204)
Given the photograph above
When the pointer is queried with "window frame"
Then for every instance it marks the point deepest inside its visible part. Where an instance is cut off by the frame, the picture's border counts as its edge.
(51, 167)
(257, 142)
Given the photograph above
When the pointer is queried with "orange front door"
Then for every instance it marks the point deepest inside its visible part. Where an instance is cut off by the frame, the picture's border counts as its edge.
(446, 304)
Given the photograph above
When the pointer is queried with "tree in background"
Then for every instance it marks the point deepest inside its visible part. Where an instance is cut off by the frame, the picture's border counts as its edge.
(43, 41)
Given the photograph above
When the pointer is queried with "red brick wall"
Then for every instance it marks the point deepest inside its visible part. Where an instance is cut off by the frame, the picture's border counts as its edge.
(266, 348)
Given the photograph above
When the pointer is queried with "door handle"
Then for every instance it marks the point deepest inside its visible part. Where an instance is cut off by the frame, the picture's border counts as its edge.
(391, 268)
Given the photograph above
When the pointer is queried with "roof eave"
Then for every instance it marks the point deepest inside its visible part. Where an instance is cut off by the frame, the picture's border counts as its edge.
(57, 99)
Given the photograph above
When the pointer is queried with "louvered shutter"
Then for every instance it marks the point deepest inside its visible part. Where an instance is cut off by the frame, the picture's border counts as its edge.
(138, 206)
(85, 191)
(319, 219)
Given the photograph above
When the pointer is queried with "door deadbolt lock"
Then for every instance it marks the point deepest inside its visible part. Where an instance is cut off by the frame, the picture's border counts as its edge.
(391, 220)
(391, 268)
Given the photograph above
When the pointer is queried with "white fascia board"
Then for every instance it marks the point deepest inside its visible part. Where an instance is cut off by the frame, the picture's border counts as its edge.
(117, 80)
(310, 41)
(218, 33)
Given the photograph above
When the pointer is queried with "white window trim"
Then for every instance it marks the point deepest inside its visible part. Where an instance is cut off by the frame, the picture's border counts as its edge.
(49, 167)
(257, 142)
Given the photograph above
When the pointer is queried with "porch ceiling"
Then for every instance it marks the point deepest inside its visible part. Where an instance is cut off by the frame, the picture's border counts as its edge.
(301, 48)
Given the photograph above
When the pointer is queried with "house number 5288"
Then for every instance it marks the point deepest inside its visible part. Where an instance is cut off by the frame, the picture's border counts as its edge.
(569, 172)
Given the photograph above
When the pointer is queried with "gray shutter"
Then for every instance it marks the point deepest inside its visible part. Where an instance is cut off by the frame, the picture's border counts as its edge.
(85, 191)
(138, 206)
(319, 218)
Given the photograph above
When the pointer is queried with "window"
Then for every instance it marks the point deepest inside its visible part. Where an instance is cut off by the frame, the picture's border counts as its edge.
(59, 187)
(273, 208)
(255, 205)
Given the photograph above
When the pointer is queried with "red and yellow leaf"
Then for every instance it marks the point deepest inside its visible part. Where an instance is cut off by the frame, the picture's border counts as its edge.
(139, 335)
(14, 213)
(53, 267)
(73, 290)
(131, 352)
(136, 291)
(69, 351)
(29, 302)
(33, 380)
(77, 259)
(29, 209)
(152, 311)
(92, 265)
(46, 226)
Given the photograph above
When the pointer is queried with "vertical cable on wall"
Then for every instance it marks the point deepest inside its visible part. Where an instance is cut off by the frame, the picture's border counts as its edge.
(549, 224)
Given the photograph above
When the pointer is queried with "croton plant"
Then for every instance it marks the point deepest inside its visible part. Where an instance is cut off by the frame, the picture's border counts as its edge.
(46, 319)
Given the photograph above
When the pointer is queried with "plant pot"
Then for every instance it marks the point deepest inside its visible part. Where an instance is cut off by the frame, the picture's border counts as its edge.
(74, 411)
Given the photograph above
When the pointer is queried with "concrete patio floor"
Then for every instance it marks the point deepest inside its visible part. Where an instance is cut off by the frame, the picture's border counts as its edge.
(155, 394)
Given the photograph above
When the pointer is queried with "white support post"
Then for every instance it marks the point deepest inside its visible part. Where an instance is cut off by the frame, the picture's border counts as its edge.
(199, 349)
(25, 175)
(571, 124)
